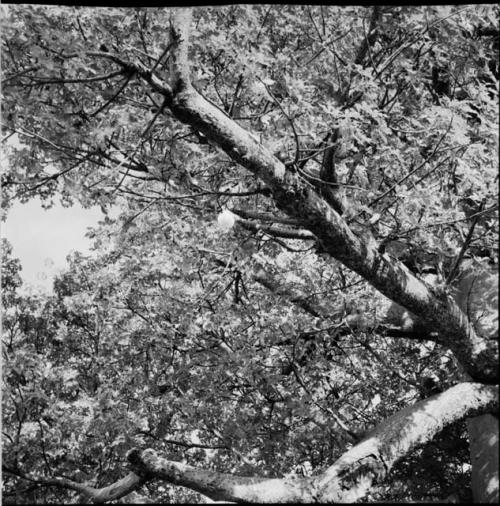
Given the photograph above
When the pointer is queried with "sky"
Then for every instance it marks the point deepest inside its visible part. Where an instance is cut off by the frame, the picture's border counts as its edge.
(42, 239)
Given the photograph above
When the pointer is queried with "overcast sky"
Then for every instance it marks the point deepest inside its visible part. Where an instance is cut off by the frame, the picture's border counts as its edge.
(41, 239)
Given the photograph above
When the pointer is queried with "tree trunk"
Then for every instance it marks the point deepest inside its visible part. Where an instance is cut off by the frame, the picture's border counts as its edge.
(483, 436)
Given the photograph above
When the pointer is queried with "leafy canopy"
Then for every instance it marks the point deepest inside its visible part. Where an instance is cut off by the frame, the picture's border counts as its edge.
(169, 335)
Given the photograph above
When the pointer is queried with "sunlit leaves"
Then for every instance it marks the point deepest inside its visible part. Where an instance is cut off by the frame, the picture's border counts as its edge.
(168, 335)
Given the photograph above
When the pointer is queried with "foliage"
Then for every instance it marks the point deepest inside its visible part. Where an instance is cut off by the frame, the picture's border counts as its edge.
(164, 337)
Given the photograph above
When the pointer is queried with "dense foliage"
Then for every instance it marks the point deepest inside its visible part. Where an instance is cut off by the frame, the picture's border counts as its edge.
(224, 344)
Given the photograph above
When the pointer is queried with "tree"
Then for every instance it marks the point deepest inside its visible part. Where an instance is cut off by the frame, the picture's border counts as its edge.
(282, 175)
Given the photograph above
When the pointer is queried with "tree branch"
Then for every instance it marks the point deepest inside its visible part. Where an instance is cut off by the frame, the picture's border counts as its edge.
(352, 475)
(276, 230)
(55, 80)
(112, 492)
(369, 38)
(221, 486)
(252, 215)
(350, 478)
(389, 276)
(347, 480)
(411, 330)
(456, 264)
(357, 252)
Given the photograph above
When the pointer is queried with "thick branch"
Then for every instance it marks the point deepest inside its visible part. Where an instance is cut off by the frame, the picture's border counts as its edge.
(357, 252)
(350, 478)
(352, 475)
(222, 486)
(347, 480)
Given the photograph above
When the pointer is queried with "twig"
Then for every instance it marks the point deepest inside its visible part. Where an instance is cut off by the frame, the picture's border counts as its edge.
(155, 117)
(404, 178)
(50, 80)
(297, 143)
(454, 270)
(112, 99)
(166, 50)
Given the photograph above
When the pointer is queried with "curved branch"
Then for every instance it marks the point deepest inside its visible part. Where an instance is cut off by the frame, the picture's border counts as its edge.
(351, 476)
(221, 486)
(112, 492)
(347, 480)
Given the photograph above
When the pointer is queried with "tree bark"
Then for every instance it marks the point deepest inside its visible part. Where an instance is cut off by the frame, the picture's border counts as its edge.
(352, 475)
(483, 441)
(112, 492)
(389, 276)
(348, 479)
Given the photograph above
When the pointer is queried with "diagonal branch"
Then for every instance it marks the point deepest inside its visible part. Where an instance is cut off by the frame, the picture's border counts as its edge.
(298, 200)
(356, 252)
(411, 330)
(350, 478)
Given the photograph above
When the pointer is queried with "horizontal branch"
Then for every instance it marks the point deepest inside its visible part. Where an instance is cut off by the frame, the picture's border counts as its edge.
(61, 80)
(112, 492)
(351, 476)
(276, 230)
(347, 480)
(386, 325)
(221, 486)
(252, 215)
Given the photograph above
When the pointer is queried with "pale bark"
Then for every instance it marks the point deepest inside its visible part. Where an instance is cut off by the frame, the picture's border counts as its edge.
(398, 435)
(112, 492)
(350, 477)
(361, 255)
(222, 486)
